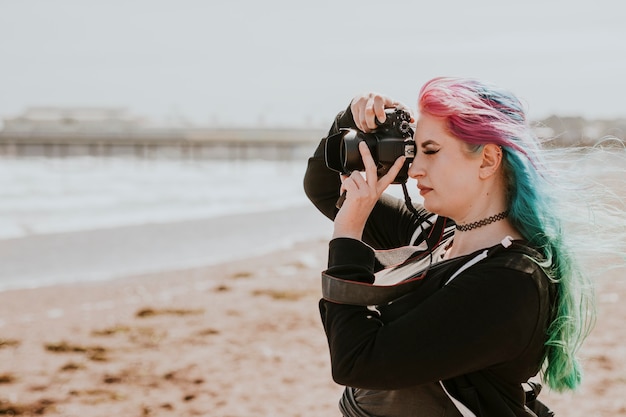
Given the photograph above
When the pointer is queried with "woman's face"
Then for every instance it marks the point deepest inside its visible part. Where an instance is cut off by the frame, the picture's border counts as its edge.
(446, 172)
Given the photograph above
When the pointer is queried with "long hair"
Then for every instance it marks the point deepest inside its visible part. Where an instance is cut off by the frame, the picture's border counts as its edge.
(479, 113)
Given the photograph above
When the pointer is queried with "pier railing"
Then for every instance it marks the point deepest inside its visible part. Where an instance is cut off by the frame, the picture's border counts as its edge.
(236, 143)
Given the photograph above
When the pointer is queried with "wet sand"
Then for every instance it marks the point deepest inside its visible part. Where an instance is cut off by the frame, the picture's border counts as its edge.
(151, 248)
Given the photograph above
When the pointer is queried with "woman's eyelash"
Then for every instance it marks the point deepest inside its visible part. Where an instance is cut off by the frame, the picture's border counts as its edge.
(430, 151)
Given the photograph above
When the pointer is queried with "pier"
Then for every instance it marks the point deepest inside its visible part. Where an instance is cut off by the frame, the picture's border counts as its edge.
(58, 132)
(269, 144)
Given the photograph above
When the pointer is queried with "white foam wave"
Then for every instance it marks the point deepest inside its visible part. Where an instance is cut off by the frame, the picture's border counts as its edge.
(60, 195)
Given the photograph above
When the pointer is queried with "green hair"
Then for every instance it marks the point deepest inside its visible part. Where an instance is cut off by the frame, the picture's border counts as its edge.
(534, 212)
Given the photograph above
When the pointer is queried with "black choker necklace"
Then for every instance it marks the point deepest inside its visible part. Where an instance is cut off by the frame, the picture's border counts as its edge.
(483, 222)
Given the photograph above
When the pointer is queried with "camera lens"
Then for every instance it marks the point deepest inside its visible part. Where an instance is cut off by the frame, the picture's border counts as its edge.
(349, 151)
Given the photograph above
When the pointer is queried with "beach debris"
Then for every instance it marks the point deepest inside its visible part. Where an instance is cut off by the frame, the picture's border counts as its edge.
(16, 409)
(97, 396)
(5, 343)
(242, 274)
(110, 331)
(174, 376)
(288, 295)
(95, 353)
(208, 332)
(150, 312)
(112, 379)
(7, 378)
(71, 366)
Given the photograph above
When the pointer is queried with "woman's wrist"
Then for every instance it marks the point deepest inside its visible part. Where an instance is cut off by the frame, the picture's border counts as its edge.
(350, 233)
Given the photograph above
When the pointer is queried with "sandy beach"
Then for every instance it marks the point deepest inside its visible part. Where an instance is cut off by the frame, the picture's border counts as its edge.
(237, 339)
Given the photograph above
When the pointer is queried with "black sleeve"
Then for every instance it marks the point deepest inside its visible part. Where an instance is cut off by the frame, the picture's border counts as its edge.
(486, 316)
(321, 184)
(390, 224)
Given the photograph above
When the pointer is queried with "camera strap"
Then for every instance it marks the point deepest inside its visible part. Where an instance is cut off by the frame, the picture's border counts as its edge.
(357, 293)
(393, 282)
(402, 270)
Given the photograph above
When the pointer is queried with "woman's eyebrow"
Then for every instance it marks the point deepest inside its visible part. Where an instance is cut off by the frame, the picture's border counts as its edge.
(428, 142)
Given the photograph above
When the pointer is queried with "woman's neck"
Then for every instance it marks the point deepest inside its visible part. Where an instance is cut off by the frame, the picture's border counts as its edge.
(464, 243)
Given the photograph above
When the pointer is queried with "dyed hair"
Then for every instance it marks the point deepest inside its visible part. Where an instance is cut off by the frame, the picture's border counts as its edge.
(478, 114)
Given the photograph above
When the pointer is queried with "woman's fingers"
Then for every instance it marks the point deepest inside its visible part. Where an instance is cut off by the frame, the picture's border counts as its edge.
(368, 163)
(343, 178)
(374, 111)
(391, 175)
(368, 188)
(370, 107)
(371, 170)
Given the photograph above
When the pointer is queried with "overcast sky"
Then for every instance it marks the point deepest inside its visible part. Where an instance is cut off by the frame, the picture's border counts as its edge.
(282, 62)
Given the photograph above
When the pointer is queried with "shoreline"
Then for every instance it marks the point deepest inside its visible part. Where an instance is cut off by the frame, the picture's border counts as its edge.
(239, 338)
(104, 254)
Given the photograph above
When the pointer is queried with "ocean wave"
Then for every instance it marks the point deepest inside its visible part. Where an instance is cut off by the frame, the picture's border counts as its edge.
(39, 196)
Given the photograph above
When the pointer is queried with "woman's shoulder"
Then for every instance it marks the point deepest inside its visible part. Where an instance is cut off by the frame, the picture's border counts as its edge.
(517, 266)
(516, 262)
(511, 254)
(517, 255)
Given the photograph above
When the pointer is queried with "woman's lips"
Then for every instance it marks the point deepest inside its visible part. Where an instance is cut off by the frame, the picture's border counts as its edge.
(424, 190)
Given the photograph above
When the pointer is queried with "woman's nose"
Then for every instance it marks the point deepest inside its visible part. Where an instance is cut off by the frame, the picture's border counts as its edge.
(415, 171)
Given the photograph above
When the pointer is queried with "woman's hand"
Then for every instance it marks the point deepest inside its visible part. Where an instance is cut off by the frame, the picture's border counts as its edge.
(369, 107)
(362, 193)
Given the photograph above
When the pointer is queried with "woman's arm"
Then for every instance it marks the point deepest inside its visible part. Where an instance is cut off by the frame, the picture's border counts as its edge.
(321, 184)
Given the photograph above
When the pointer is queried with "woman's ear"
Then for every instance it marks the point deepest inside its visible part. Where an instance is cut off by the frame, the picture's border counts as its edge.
(492, 158)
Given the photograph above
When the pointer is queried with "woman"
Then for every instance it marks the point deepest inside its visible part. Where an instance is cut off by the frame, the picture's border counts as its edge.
(499, 297)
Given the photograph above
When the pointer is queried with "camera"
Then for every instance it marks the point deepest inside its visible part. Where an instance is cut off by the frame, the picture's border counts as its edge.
(389, 141)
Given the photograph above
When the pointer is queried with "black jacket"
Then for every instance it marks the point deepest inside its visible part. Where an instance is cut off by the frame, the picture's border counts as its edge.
(483, 334)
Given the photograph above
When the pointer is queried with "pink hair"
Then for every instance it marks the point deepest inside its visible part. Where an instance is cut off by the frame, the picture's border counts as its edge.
(476, 112)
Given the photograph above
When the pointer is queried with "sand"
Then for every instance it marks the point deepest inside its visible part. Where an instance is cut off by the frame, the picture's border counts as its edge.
(238, 339)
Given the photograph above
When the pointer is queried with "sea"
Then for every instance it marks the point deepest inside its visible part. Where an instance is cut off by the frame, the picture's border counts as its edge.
(66, 220)
(76, 219)
(58, 195)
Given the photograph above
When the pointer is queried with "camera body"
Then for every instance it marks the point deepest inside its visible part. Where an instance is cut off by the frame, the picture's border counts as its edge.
(389, 141)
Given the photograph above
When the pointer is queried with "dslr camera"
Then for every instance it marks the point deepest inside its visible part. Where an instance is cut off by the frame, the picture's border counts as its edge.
(389, 141)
